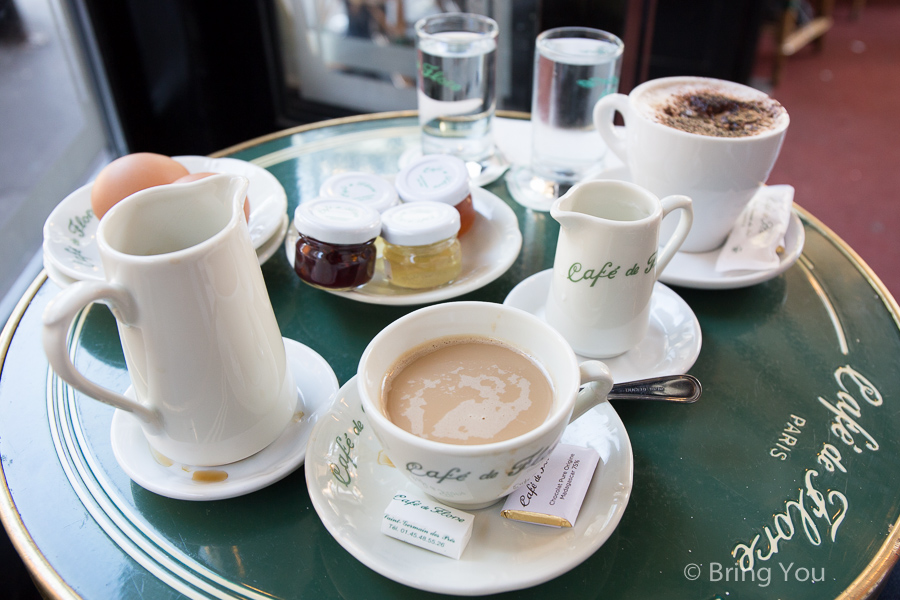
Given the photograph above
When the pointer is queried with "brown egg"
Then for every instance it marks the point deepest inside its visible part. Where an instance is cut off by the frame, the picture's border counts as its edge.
(129, 174)
(195, 176)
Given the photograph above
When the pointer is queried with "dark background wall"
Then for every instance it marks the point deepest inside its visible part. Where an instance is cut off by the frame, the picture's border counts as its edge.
(196, 76)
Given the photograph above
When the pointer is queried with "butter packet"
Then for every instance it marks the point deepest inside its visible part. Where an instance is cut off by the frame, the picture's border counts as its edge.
(553, 495)
(427, 524)
(757, 239)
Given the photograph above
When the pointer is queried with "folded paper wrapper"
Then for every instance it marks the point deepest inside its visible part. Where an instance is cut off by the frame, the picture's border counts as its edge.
(553, 495)
(757, 239)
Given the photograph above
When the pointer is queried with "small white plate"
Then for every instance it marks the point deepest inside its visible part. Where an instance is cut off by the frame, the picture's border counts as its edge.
(698, 269)
(672, 343)
(494, 560)
(70, 230)
(489, 248)
(316, 385)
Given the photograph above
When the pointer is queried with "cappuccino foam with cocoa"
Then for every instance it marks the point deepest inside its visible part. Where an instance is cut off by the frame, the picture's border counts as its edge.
(712, 109)
(466, 390)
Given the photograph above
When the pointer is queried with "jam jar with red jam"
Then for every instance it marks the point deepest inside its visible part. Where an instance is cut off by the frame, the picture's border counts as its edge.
(439, 178)
(336, 245)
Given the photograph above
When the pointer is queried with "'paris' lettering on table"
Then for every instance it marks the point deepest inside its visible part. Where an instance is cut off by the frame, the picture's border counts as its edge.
(812, 508)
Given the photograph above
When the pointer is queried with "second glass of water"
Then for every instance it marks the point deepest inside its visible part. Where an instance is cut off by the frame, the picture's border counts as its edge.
(457, 82)
(573, 68)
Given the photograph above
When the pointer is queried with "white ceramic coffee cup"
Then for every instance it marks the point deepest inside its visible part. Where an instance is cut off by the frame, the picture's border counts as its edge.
(203, 350)
(475, 476)
(720, 174)
(607, 262)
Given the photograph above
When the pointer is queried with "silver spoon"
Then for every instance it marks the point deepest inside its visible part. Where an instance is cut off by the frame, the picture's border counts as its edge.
(671, 388)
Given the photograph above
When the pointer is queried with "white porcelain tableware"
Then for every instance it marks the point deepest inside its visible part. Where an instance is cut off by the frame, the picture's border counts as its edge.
(671, 345)
(475, 476)
(697, 270)
(201, 343)
(489, 248)
(316, 386)
(720, 174)
(70, 231)
(502, 555)
(607, 262)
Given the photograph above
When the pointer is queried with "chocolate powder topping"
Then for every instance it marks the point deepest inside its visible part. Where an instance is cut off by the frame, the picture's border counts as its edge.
(715, 114)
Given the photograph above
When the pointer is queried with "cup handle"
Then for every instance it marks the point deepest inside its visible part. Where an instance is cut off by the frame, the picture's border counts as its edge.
(604, 112)
(596, 381)
(58, 316)
(670, 203)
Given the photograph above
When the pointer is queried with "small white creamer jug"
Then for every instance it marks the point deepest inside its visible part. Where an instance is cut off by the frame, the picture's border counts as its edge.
(607, 262)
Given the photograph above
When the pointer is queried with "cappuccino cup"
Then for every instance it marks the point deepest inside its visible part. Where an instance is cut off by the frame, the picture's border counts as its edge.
(476, 473)
(712, 140)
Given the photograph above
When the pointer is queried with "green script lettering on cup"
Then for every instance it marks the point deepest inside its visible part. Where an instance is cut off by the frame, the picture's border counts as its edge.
(529, 461)
(591, 275)
(454, 474)
(651, 262)
(433, 73)
(344, 446)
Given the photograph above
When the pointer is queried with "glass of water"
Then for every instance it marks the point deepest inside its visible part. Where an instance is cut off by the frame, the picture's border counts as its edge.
(457, 83)
(573, 68)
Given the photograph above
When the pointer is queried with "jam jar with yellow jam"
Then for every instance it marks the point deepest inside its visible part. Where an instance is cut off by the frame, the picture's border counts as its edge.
(371, 190)
(439, 178)
(421, 248)
(336, 246)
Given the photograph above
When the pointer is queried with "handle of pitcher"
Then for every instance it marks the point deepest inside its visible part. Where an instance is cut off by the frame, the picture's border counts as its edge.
(670, 203)
(58, 317)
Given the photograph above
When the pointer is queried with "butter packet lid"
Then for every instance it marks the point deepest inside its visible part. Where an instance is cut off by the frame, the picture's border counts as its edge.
(553, 495)
(427, 524)
(757, 239)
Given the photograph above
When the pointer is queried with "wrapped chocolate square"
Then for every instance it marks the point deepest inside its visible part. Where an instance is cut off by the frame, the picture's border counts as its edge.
(553, 495)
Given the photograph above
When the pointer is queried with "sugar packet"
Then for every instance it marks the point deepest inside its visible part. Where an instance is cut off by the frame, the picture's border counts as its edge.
(757, 239)
(422, 522)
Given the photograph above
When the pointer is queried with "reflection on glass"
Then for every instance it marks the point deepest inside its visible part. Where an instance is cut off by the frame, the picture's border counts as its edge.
(360, 54)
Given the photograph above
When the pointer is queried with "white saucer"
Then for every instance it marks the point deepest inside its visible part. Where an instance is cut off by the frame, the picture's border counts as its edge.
(316, 385)
(494, 560)
(481, 173)
(55, 276)
(70, 230)
(268, 249)
(672, 343)
(489, 248)
(698, 269)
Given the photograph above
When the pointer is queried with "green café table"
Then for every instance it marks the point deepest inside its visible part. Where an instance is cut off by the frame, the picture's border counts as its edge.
(797, 371)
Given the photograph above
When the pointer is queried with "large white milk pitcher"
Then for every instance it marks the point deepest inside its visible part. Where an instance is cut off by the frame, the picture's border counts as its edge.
(607, 262)
(203, 349)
